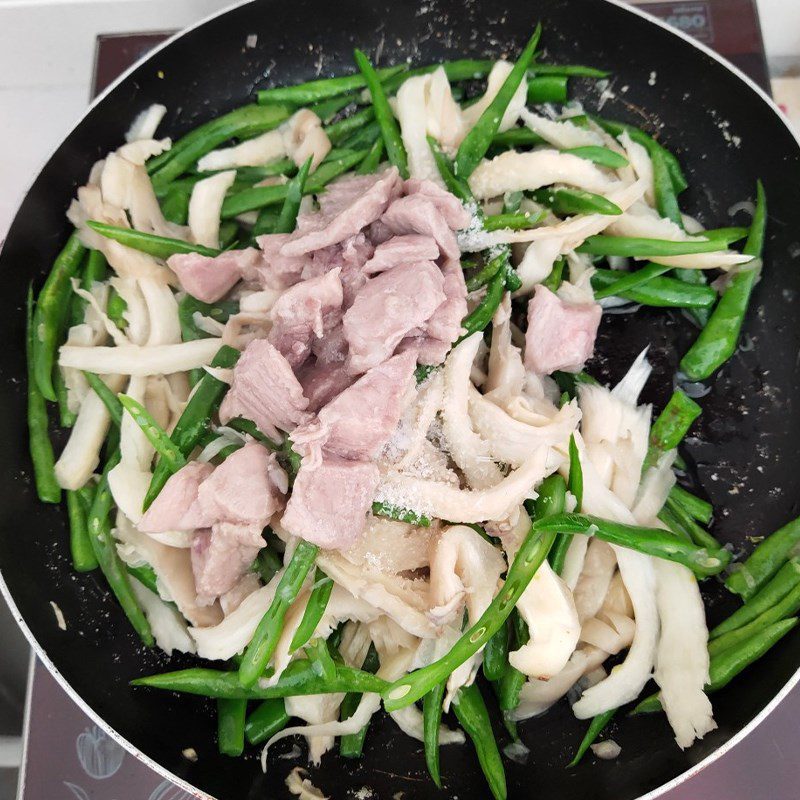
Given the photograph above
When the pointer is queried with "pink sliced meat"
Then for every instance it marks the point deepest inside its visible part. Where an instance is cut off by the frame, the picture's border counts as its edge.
(221, 556)
(332, 348)
(322, 381)
(399, 250)
(445, 324)
(208, 279)
(560, 335)
(418, 214)
(360, 420)
(349, 257)
(387, 308)
(247, 487)
(348, 206)
(175, 508)
(454, 213)
(265, 390)
(274, 270)
(329, 503)
(303, 313)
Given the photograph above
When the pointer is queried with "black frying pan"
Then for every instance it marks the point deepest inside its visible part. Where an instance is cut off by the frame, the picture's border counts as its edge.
(744, 450)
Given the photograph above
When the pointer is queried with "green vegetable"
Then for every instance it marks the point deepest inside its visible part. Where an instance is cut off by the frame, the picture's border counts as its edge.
(511, 221)
(765, 561)
(495, 654)
(39, 444)
(326, 110)
(268, 718)
(601, 156)
(517, 137)
(401, 514)
(249, 427)
(372, 159)
(98, 524)
(318, 654)
(267, 564)
(66, 417)
(482, 314)
(471, 712)
(431, 722)
(265, 638)
(631, 280)
(700, 536)
(556, 276)
(596, 727)
(158, 246)
(509, 687)
(303, 94)
(299, 678)
(665, 195)
(241, 123)
(475, 144)
(699, 509)
(558, 552)
(785, 580)
(175, 204)
(294, 194)
(352, 744)
(230, 726)
(566, 202)
(194, 420)
(395, 150)
(717, 342)
(80, 546)
(661, 292)
(651, 541)
(636, 247)
(155, 434)
(146, 575)
(116, 308)
(315, 608)
(671, 426)
(547, 89)
(339, 131)
(50, 315)
(109, 399)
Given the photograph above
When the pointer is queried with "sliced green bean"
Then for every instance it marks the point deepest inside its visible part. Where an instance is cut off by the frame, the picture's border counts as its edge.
(116, 308)
(575, 484)
(665, 195)
(158, 246)
(363, 138)
(155, 434)
(401, 514)
(700, 536)
(372, 159)
(146, 575)
(475, 144)
(80, 546)
(596, 727)
(431, 723)
(495, 654)
(471, 712)
(326, 110)
(294, 194)
(315, 608)
(265, 638)
(303, 94)
(320, 657)
(671, 426)
(395, 149)
(631, 280)
(339, 131)
(267, 564)
(699, 509)
(194, 420)
(576, 70)
(482, 314)
(566, 202)
(352, 744)
(230, 726)
(556, 276)
(765, 561)
(558, 552)
(299, 678)
(249, 427)
(241, 123)
(660, 292)
(98, 525)
(266, 720)
(512, 221)
(602, 156)
(39, 444)
(265, 223)
(547, 89)
(175, 204)
(109, 398)
(636, 247)
(517, 137)
(718, 340)
(50, 314)
(509, 687)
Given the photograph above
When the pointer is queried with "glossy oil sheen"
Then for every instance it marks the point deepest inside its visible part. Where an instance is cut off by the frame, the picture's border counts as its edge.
(744, 449)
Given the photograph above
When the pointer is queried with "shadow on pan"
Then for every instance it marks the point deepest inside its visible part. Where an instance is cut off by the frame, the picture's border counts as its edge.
(745, 453)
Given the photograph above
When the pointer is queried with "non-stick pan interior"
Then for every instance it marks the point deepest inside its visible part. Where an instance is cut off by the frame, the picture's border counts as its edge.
(744, 450)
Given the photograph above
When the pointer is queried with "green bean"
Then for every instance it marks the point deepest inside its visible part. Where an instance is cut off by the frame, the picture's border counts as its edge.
(570, 70)
(66, 417)
(570, 381)
(241, 123)
(650, 541)
(116, 306)
(700, 536)
(50, 314)
(475, 144)
(190, 331)
(352, 744)
(326, 110)
(299, 678)
(303, 94)
(268, 718)
(155, 434)
(558, 552)
(260, 196)
(566, 202)
(517, 137)
(249, 427)
(482, 314)
(785, 580)
(395, 149)
(718, 340)
(457, 186)
(401, 514)
(98, 525)
(320, 657)
(193, 422)
(95, 271)
(364, 138)
(39, 444)
(146, 575)
(660, 292)
(509, 687)
(471, 712)
(556, 276)
(228, 234)
(315, 608)
(672, 424)
(602, 156)
(596, 727)
(339, 131)
(631, 280)
(699, 509)
(265, 223)
(495, 654)
(267, 564)
(529, 557)
(294, 194)
(265, 638)
(109, 398)
(158, 246)
(636, 247)
(575, 484)
(512, 221)
(431, 723)
(230, 726)
(547, 89)
(372, 159)
(80, 546)
(494, 265)
(725, 666)
(175, 204)
(765, 561)
(665, 195)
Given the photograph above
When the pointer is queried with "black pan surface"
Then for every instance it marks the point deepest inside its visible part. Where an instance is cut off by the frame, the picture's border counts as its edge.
(744, 450)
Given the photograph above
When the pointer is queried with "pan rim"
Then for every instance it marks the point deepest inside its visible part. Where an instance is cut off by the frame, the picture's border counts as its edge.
(47, 662)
